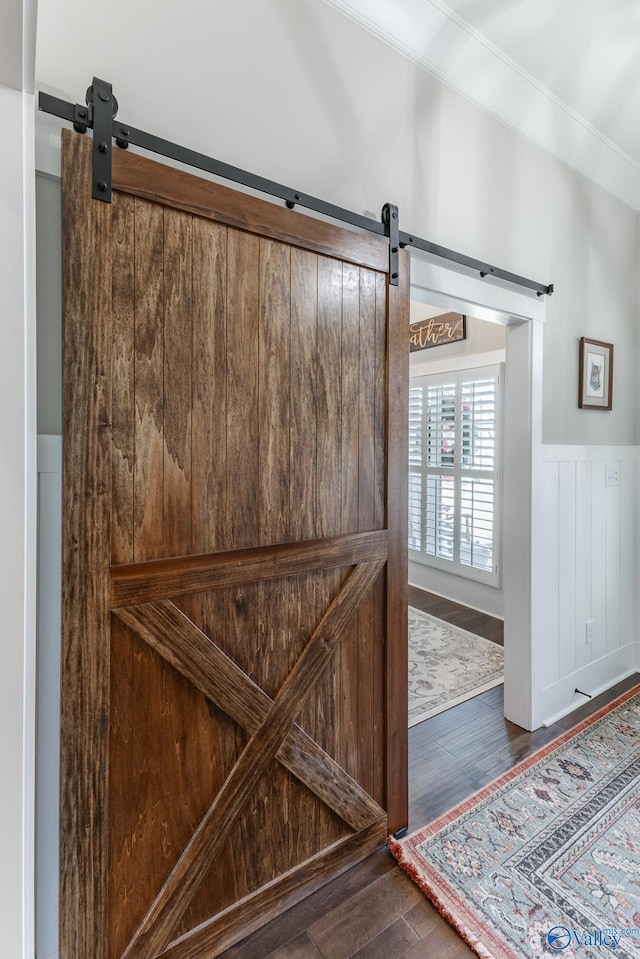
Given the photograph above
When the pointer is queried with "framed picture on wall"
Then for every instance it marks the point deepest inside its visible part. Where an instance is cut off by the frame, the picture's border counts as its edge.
(595, 390)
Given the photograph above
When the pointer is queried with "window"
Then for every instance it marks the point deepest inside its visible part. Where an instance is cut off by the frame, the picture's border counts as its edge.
(454, 458)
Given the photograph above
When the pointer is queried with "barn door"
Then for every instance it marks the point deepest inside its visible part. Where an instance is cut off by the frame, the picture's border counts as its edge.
(234, 615)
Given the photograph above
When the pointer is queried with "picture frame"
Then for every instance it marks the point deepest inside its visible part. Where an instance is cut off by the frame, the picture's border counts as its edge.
(595, 388)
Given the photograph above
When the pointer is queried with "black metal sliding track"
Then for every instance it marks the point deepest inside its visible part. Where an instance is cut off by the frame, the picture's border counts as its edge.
(99, 115)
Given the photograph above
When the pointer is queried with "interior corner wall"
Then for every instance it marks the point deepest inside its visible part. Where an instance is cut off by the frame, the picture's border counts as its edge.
(17, 521)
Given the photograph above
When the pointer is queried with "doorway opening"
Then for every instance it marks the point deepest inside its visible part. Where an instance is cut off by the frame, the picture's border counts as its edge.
(456, 386)
(521, 316)
(446, 754)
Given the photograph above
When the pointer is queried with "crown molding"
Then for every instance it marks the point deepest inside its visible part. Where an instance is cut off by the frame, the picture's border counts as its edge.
(434, 37)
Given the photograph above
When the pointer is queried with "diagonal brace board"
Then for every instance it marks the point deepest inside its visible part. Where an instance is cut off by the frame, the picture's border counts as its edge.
(185, 647)
(156, 928)
(237, 921)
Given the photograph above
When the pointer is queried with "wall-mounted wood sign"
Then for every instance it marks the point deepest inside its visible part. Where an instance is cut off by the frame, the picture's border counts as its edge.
(437, 330)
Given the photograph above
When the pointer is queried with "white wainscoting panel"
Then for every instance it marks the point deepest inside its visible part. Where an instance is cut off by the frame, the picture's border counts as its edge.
(590, 526)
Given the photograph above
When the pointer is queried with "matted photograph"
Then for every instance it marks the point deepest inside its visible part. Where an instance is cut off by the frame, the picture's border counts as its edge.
(595, 391)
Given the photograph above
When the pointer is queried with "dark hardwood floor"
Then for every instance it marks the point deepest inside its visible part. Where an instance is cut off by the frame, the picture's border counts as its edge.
(374, 911)
(479, 623)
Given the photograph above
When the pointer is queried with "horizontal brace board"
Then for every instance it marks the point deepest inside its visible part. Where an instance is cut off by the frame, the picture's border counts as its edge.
(146, 582)
(138, 175)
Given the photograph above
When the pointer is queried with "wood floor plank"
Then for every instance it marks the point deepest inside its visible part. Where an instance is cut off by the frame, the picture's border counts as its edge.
(299, 948)
(345, 930)
(390, 944)
(470, 713)
(422, 918)
(444, 942)
(296, 920)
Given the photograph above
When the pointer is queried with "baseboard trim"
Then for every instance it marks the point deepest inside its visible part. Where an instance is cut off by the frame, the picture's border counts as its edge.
(458, 602)
(560, 698)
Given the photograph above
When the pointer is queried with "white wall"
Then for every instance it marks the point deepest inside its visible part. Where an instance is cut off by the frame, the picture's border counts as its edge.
(296, 91)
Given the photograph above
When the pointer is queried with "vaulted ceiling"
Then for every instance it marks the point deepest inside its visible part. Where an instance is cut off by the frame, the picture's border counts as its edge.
(564, 73)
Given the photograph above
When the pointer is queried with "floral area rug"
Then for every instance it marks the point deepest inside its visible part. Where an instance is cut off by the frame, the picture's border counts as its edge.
(447, 665)
(545, 861)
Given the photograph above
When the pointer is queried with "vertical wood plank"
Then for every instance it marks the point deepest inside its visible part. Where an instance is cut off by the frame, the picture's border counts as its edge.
(627, 551)
(367, 651)
(380, 438)
(149, 362)
(210, 742)
(241, 643)
(367, 402)
(583, 561)
(177, 698)
(274, 599)
(546, 615)
(209, 435)
(612, 495)
(566, 567)
(178, 357)
(350, 390)
(242, 389)
(225, 745)
(123, 405)
(175, 730)
(303, 391)
(349, 754)
(380, 441)
(329, 479)
(121, 827)
(274, 332)
(303, 495)
(598, 559)
(86, 386)
(396, 711)
(150, 864)
(329, 409)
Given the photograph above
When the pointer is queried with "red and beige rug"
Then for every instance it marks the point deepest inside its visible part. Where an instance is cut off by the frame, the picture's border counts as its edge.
(447, 665)
(545, 861)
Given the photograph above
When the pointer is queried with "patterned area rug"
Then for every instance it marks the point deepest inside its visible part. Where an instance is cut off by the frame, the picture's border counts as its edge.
(447, 665)
(546, 860)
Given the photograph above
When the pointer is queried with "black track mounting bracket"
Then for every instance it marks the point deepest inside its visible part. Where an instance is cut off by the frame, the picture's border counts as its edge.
(101, 108)
(391, 225)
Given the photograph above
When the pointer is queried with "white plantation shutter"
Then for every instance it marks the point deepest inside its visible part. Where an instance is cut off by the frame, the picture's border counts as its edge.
(454, 453)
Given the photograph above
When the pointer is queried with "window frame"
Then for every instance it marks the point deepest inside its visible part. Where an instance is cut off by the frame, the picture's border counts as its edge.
(455, 378)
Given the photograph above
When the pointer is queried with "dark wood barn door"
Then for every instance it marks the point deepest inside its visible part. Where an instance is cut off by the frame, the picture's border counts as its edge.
(234, 610)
